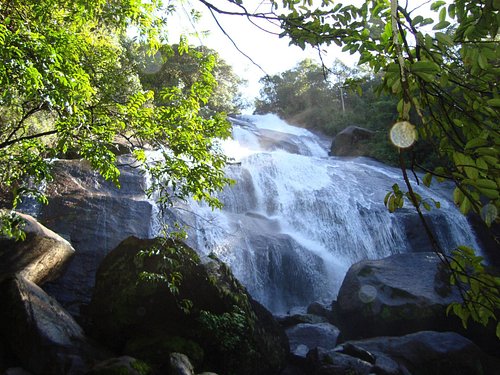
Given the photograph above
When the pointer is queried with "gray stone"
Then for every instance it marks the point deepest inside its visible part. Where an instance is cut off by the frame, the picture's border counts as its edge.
(400, 294)
(319, 309)
(95, 216)
(425, 352)
(331, 362)
(180, 364)
(292, 320)
(304, 337)
(40, 333)
(347, 142)
(41, 257)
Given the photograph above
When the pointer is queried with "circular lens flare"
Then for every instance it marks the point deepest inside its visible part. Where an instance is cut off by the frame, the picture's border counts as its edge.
(403, 134)
(367, 293)
(489, 213)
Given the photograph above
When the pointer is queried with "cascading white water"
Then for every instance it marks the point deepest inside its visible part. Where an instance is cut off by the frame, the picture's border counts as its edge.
(296, 219)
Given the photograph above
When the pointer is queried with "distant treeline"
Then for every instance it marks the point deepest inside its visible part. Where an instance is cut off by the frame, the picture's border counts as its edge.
(329, 100)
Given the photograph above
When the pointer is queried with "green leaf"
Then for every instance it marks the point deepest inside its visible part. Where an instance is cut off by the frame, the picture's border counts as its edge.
(441, 25)
(451, 10)
(465, 206)
(486, 184)
(489, 213)
(442, 14)
(427, 179)
(391, 204)
(494, 102)
(458, 196)
(476, 142)
(386, 198)
(444, 39)
(437, 4)
(425, 67)
(489, 193)
(482, 61)
(417, 20)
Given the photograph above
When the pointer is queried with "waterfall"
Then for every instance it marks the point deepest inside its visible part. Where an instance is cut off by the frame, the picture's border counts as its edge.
(296, 219)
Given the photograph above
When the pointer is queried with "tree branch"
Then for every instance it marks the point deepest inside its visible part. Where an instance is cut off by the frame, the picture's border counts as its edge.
(34, 136)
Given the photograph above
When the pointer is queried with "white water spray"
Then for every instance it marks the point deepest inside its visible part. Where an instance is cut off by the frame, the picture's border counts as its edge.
(297, 219)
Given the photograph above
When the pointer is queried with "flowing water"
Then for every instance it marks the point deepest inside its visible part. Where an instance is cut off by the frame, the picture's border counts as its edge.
(296, 219)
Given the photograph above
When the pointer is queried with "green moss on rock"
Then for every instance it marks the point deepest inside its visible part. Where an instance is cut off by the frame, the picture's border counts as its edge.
(121, 366)
(149, 319)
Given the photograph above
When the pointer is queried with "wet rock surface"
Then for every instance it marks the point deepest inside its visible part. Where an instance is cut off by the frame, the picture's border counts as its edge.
(41, 257)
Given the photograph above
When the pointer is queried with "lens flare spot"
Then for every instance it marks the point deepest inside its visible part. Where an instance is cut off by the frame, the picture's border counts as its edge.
(153, 64)
(489, 213)
(403, 134)
(367, 293)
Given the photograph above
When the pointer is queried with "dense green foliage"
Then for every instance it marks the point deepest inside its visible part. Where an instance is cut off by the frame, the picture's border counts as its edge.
(314, 97)
(302, 95)
(449, 77)
(310, 96)
(168, 67)
(329, 99)
(68, 83)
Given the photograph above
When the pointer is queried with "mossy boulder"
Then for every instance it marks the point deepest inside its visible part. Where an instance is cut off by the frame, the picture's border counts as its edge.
(172, 301)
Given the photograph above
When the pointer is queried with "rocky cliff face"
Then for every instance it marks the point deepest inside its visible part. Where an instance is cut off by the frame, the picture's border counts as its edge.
(95, 216)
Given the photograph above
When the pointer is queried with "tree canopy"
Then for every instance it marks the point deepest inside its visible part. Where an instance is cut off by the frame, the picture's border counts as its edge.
(169, 67)
(68, 83)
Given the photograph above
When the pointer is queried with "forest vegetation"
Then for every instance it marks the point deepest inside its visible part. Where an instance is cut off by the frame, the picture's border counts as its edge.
(329, 99)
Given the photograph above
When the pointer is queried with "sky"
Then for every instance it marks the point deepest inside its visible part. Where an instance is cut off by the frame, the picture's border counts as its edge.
(271, 53)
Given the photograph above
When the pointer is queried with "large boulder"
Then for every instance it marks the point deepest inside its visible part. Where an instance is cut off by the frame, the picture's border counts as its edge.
(304, 337)
(41, 257)
(331, 362)
(426, 352)
(348, 141)
(400, 294)
(40, 334)
(208, 315)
